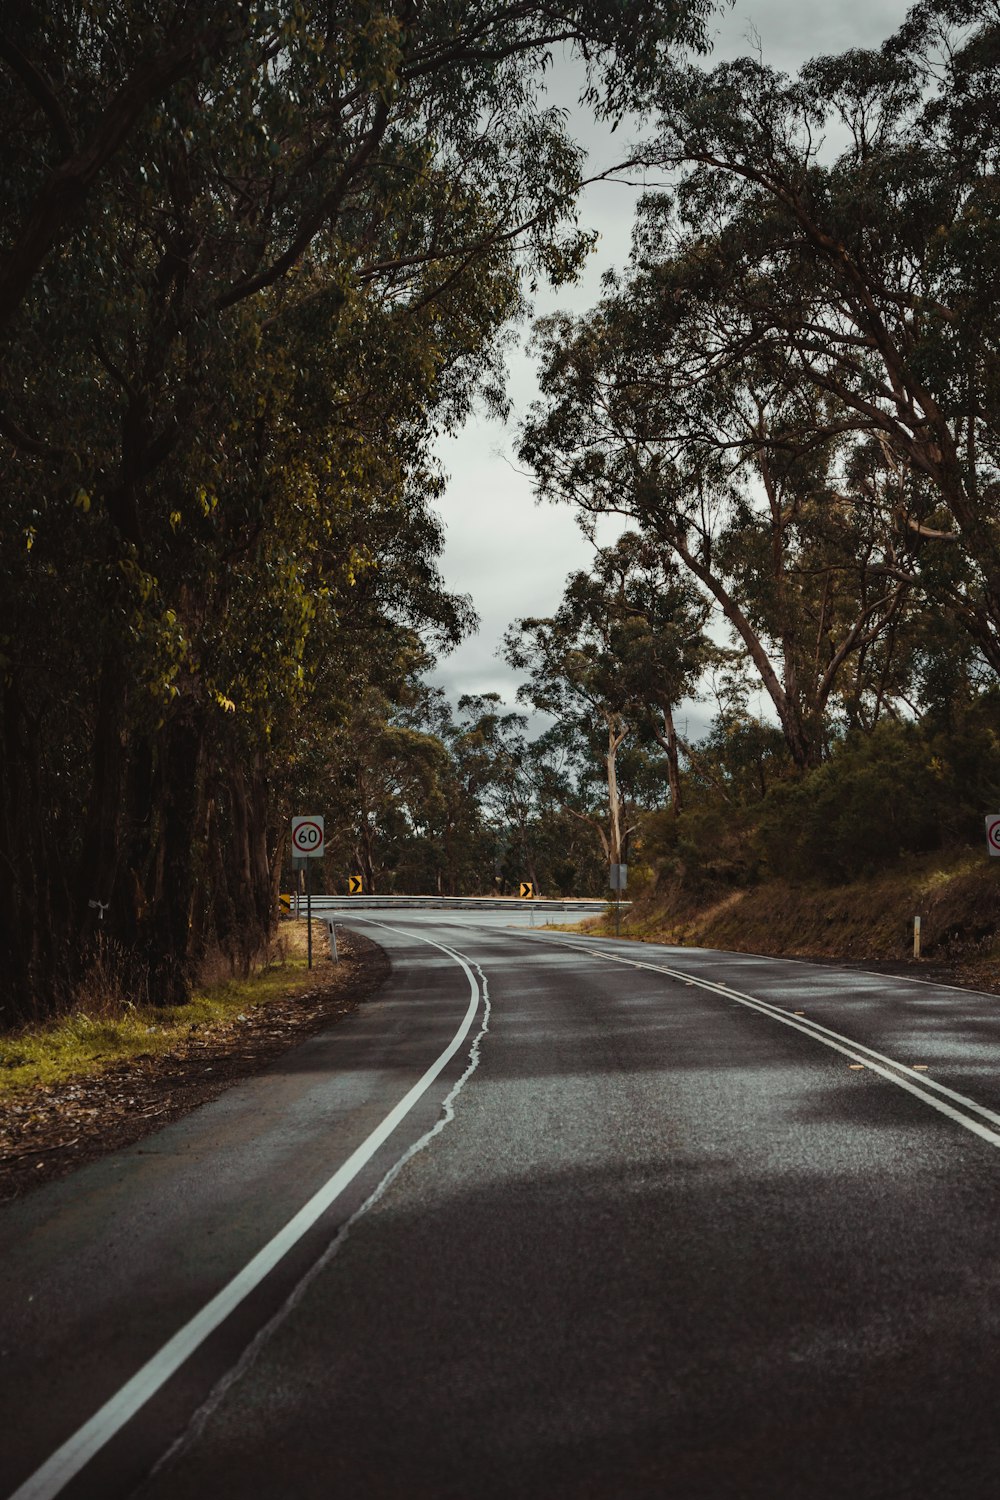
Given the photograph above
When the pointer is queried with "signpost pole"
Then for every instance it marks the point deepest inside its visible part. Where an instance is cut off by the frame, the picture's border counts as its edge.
(309, 916)
(618, 880)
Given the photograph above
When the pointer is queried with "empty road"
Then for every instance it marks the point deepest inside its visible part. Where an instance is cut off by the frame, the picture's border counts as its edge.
(551, 1217)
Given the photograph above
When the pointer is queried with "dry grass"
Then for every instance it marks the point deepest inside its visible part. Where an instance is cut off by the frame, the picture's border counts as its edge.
(93, 1104)
(105, 1028)
(957, 898)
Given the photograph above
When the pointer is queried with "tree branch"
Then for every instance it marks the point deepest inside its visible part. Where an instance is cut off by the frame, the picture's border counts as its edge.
(61, 200)
(38, 87)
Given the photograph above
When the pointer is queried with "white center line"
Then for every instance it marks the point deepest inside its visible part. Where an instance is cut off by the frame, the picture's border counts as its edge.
(859, 1052)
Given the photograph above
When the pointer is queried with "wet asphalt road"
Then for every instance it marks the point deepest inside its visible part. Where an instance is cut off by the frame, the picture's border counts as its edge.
(675, 1241)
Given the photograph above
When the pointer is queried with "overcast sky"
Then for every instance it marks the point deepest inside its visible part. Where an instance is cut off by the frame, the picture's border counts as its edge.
(509, 553)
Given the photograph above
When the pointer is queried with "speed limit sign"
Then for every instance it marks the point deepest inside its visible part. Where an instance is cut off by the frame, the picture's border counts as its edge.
(993, 832)
(307, 836)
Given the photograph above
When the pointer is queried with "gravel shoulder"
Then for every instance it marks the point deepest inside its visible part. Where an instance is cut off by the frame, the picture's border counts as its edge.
(48, 1131)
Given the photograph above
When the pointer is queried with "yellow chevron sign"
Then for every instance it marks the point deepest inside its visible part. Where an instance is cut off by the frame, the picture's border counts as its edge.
(285, 902)
(527, 891)
(355, 885)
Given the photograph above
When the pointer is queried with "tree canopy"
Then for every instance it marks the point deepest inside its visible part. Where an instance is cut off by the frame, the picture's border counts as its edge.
(252, 259)
(255, 259)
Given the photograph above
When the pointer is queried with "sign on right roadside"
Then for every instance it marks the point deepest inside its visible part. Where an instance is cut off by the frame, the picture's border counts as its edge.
(619, 877)
(993, 832)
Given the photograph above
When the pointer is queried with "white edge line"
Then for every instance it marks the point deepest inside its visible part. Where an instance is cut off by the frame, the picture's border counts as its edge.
(262, 1337)
(808, 1024)
(809, 963)
(76, 1451)
(831, 963)
(825, 1036)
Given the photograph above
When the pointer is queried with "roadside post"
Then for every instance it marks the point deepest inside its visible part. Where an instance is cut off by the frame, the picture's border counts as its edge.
(333, 940)
(916, 937)
(308, 839)
(618, 883)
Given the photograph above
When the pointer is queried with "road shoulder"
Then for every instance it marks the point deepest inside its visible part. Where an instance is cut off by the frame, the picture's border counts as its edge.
(50, 1130)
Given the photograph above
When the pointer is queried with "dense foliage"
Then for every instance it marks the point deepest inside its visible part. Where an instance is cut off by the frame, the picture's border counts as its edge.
(252, 257)
(791, 394)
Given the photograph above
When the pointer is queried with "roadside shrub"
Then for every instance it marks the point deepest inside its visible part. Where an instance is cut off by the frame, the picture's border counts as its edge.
(899, 790)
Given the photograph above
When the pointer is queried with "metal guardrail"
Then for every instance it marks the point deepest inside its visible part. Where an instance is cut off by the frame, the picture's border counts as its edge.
(322, 904)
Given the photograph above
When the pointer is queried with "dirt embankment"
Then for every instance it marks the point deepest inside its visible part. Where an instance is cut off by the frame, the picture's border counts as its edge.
(868, 922)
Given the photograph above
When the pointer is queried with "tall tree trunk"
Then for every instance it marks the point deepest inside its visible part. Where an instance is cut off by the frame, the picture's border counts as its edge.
(180, 808)
(239, 865)
(803, 753)
(668, 740)
(101, 845)
(135, 868)
(225, 925)
(32, 960)
(366, 854)
(615, 737)
(261, 875)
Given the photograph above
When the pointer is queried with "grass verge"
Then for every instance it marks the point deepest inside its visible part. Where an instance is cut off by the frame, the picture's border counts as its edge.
(83, 1043)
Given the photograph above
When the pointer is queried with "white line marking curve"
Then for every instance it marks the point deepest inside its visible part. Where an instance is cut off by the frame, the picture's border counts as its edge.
(859, 1051)
(67, 1460)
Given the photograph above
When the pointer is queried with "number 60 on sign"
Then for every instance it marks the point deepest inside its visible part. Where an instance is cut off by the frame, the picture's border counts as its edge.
(307, 836)
(993, 832)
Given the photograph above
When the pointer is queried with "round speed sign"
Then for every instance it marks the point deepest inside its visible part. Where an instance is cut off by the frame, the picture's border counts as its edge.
(993, 833)
(307, 836)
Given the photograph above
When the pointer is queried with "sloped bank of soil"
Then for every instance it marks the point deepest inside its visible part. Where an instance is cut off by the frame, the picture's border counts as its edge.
(868, 922)
(48, 1130)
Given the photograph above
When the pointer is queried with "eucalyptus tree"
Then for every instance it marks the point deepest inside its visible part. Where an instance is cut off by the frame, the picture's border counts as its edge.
(499, 768)
(573, 677)
(624, 647)
(384, 778)
(740, 474)
(863, 272)
(659, 640)
(249, 257)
